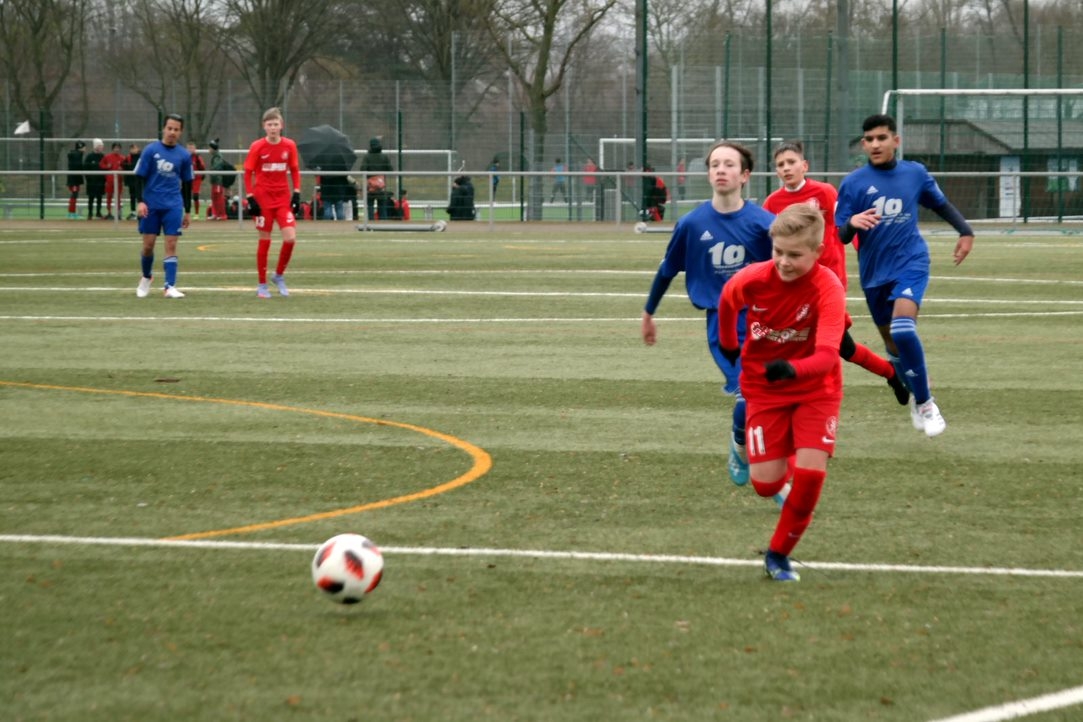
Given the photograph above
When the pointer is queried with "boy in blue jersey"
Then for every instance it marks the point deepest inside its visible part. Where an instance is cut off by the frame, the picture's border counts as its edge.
(878, 203)
(710, 245)
(163, 180)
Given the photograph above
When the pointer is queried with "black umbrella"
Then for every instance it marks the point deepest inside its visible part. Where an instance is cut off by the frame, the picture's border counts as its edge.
(326, 148)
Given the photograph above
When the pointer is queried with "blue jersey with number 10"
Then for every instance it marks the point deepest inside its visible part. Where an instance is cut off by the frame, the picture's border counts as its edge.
(895, 245)
(162, 168)
(710, 247)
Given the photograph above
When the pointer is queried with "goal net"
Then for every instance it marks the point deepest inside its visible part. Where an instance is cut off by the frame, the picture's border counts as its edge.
(1010, 154)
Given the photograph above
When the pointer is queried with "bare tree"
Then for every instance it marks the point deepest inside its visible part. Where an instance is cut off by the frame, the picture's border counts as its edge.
(40, 40)
(163, 37)
(538, 40)
(270, 41)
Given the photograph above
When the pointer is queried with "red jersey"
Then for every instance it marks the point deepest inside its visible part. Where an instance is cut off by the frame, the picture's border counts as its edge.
(823, 197)
(268, 170)
(198, 166)
(113, 161)
(800, 321)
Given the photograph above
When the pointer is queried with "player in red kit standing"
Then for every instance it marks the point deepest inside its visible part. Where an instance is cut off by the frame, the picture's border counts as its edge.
(114, 184)
(792, 167)
(791, 376)
(199, 168)
(272, 176)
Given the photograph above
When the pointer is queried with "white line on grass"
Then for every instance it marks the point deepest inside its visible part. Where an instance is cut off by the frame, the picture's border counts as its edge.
(470, 320)
(543, 554)
(1021, 708)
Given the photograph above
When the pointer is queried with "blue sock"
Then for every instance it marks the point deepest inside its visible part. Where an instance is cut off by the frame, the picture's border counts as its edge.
(170, 266)
(739, 420)
(904, 332)
(147, 263)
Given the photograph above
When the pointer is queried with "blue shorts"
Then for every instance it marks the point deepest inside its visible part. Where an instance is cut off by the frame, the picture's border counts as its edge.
(162, 221)
(881, 299)
(732, 372)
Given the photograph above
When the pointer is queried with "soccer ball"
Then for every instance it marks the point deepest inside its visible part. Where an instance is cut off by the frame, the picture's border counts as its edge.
(347, 567)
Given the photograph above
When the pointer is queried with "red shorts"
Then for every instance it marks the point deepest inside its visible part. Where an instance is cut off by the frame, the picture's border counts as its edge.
(282, 215)
(775, 430)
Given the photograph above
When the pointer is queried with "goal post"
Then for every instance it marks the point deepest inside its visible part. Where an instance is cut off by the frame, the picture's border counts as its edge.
(1000, 153)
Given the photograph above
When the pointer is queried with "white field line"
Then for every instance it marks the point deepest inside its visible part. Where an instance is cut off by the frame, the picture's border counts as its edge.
(1021, 708)
(467, 320)
(543, 554)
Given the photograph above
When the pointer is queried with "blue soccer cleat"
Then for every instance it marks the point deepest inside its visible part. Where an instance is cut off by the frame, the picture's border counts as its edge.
(777, 567)
(737, 464)
(279, 281)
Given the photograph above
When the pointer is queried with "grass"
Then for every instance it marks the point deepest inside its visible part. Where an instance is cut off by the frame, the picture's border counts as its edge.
(153, 419)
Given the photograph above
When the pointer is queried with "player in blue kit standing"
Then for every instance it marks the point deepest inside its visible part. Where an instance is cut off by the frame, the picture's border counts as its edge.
(710, 245)
(163, 180)
(878, 204)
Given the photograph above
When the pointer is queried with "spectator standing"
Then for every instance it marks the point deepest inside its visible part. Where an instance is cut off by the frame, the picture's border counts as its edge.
(560, 182)
(590, 182)
(198, 168)
(75, 179)
(95, 184)
(494, 171)
(374, 165)
(128, 165)
(217, 211)
(114, 182)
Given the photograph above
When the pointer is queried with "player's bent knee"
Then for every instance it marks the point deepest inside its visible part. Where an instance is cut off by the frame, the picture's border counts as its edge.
(768, 488)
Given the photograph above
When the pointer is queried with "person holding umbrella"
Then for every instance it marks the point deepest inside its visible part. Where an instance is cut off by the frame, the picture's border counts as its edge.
(270, 166)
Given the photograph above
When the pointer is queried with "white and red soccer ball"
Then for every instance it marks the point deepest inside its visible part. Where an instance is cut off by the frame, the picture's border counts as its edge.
(347, 567)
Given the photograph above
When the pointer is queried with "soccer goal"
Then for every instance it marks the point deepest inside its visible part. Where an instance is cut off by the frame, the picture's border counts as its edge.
(1004, 153)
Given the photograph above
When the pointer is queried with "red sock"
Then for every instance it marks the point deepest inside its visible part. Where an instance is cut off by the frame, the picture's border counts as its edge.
(284, 255)
(866, 359)
(262, 251)
(797, 512)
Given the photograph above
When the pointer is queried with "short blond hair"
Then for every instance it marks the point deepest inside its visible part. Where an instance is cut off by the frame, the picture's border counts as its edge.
(800, 220)
(274, 112)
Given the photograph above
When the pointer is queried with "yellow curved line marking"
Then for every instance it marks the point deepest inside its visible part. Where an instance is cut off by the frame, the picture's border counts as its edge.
(482, 461)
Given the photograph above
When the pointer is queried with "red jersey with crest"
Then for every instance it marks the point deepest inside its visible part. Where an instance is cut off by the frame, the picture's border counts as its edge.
(269, 169)
(823, 197)
(800, 321)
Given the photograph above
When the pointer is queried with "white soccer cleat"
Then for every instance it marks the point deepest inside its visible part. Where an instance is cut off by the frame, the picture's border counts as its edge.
(173, 292)
(915, 416)
(143, 288)
(932, 422)
(279, 281)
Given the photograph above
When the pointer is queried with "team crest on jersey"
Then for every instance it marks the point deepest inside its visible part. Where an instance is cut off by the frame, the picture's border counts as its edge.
(285, 155)
(814, 203)
(802, 313)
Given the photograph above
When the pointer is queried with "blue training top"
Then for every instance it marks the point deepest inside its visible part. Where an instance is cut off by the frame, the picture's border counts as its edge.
(162, 169)
(710, 247)
(895, 245)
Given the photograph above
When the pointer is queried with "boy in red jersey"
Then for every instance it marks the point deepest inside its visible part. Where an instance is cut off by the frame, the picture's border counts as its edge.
(199, 168)
(272, 177)
(791, 376)
(114, 184)
(791, 167)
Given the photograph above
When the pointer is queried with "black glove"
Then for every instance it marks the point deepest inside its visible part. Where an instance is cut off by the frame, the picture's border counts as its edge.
(730, 354)
(253, 207)
(295, 203)
(779, 369)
